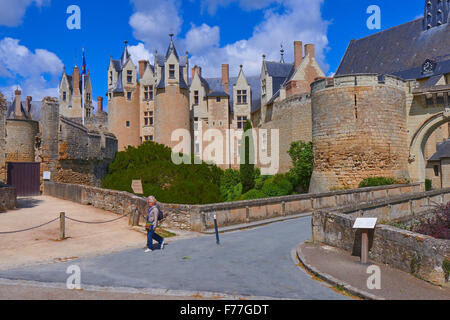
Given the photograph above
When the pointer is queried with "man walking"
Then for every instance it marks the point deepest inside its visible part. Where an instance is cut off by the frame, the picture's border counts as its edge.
(152, 224)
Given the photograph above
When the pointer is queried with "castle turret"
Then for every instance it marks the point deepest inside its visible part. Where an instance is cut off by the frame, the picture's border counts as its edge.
(172, 98)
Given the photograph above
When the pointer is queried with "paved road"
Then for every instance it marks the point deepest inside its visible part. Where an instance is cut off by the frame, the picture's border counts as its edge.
(255, 262)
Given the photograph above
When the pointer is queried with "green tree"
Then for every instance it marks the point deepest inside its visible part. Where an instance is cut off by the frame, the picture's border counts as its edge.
(247, 167)
(303, 161)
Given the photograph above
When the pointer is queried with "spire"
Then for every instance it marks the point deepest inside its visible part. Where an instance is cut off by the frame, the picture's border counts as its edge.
(282, 53)
(125, 54)
(171, 48)
(436, 13)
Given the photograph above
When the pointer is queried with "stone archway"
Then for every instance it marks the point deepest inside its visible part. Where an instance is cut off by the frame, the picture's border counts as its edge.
(418, 142)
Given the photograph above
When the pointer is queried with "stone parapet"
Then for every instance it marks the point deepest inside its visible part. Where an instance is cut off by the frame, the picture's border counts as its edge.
(368, 79)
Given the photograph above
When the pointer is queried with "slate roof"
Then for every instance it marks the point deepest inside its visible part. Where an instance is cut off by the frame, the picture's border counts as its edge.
(279, 69)
(443, 151)
(35, 112)
(400, 51)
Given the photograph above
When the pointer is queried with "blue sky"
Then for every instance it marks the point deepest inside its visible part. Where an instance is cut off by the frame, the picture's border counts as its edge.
(35, 42)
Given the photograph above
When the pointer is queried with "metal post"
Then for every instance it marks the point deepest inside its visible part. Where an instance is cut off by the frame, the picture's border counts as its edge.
(62, 226)
(217, 230)
(365, 246)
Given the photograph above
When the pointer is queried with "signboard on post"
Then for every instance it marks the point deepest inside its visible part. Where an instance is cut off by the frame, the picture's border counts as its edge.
(365, 224)
(136, 185)
(46, 175)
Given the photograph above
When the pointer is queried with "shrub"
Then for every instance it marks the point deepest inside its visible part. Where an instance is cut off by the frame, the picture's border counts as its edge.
(438, 226)
(253, 194)
(230, 179)
(381, 181)
(168, 182)
(302, 157)
(247, 168)
(428, 185)
(277, 186)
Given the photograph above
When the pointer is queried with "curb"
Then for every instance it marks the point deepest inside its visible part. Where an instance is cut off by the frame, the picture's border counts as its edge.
(332, 280)
(257, 223)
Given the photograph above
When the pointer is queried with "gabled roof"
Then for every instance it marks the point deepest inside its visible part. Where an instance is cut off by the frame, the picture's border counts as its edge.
(278, 69)
(401, 50)
(443, 151)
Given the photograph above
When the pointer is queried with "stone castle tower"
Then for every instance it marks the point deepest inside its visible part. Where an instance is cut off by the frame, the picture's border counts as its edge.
(172, 109)
(123, 101)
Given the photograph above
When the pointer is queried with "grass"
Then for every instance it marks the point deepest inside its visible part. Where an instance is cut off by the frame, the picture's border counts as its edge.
(164, 233)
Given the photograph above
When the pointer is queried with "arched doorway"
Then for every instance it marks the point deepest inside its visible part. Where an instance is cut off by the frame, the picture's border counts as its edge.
(417, 164)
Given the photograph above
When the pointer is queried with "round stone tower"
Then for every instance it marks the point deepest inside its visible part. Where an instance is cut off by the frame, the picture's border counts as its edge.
(359, 130)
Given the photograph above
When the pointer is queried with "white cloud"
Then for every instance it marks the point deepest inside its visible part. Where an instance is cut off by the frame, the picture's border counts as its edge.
(12, 11)
(139, 52)
(154, 20)
(36, 73)
(284, 22)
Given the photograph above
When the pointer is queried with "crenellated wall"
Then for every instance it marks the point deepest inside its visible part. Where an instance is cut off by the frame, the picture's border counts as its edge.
(359, 130)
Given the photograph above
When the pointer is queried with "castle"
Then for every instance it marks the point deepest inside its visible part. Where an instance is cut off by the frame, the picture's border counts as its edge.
(164, 98)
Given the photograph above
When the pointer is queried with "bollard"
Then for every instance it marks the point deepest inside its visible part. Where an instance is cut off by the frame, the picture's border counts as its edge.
(62, 226)
(217, 230)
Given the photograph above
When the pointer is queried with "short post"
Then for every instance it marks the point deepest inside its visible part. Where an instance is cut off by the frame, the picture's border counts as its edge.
(365, 225)
(365, 246)
(217, 229)
(62, 226)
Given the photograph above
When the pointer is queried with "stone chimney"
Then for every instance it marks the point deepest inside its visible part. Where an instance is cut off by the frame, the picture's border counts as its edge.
(225, 76)
(76, 81)
(298, 53)
(100, 104)
(18, 109)
(142, 66)
(29, 99)
(310, 50)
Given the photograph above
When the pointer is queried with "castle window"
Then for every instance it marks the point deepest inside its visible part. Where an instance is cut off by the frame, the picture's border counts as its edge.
(218, 99)
(127, 124)
(171, 71)
(148, 93)
(241, 122)
(110, 77)
(88, 96)
(129, 95)
(436, 171)
(196, 97)
(64, 96)
(429, 101)
(242, 96)
(440, 99)
(148, 118)
(130, 76)
(148, 138)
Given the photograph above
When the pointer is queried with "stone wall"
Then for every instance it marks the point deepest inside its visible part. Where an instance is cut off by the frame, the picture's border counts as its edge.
(292, 117)
(3, 169)
(8, 198)
(21, 140)
(418, 254)
(199, 217)
(176, 216)
(71, 152)
(359, 127)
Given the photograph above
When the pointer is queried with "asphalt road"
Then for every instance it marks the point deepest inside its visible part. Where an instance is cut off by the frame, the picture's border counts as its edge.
(255, 262)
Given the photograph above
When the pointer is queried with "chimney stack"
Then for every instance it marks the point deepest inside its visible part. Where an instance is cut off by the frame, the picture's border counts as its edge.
(18, 110)
(225, 76)
(76, 81)
(198, 70)
(100, 104)
(310, 50)
(298, 53)
(29, 99)
(142, 66)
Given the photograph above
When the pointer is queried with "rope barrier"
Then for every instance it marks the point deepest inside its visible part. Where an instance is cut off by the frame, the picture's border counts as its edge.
(75, 220)
(32, 228)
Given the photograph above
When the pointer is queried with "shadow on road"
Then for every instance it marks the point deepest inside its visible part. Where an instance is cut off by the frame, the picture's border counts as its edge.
(27, 202)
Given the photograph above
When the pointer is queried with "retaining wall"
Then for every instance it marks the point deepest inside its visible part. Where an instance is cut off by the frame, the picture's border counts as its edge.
(199, 217)
(418, 254)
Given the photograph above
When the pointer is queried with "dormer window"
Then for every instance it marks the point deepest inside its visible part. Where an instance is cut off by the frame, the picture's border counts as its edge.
(129, 95)
(110, 77)
(130, 76)
(148, 93)
(64, 96)
(171, 71)
(242, 96)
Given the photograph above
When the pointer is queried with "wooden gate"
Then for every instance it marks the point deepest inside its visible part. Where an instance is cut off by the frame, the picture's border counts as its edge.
(25, 177)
